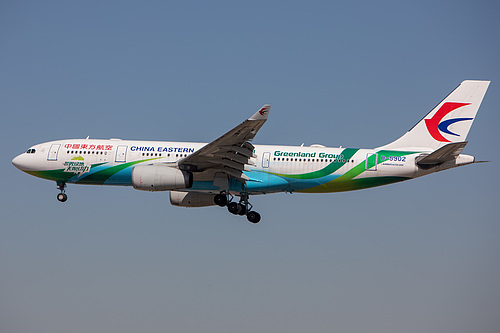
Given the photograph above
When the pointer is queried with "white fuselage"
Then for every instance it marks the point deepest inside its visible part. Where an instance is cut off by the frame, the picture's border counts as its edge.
(272, 169)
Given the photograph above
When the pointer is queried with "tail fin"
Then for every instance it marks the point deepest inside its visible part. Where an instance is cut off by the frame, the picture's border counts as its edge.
(449, 121)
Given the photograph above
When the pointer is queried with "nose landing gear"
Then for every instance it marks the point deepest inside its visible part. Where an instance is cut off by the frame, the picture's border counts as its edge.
(62, 197)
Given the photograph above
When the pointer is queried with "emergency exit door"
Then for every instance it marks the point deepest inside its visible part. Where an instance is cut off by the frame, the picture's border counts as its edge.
(53, 152)
(121, 154)
(371, 162)
(265, 160)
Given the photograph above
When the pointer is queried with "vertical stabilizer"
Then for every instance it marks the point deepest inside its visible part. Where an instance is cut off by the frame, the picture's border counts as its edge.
(448, 122)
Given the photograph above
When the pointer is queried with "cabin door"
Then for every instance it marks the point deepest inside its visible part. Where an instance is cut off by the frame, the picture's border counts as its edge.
(121, 154)
(53, 152)
(371, 162)
(266, 157)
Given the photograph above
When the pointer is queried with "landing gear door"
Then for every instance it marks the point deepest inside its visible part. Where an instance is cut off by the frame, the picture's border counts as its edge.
(371, 162)
(121, 154)
(266, 157)
(54, 150)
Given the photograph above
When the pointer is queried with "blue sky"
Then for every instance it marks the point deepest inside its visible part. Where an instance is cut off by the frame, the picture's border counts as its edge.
(420, 256)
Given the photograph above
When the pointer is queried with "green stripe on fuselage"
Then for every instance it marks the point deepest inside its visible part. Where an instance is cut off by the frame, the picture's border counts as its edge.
(346, 182)
(96, 178)
(101, 176)
(353, 184)
(348, 153)
(58, 175)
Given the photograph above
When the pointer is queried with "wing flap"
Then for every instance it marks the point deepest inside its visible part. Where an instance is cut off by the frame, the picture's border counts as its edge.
(246, 152)
(233, 157)
(238, 174)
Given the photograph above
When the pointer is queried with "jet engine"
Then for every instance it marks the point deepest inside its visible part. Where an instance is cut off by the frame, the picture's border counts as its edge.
(157, 177)
(191, 199)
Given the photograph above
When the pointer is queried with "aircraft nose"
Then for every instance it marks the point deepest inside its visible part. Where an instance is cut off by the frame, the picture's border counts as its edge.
(20, 162)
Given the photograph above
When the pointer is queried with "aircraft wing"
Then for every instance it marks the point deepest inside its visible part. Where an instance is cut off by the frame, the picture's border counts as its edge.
(230, 152)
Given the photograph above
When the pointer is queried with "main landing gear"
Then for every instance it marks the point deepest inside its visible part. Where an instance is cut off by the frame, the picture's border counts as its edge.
(62, 197)
(242, 208)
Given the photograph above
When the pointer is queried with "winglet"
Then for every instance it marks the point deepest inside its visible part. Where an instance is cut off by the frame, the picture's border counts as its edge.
(262, 113)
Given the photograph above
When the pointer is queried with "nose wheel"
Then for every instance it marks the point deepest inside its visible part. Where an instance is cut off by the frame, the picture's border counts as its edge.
(62, 197)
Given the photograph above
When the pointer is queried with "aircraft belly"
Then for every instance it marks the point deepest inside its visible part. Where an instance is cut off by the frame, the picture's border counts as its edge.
(342, 185)
(259, 183)
(263, 182)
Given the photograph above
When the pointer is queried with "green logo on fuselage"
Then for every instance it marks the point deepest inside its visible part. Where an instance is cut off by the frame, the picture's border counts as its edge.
(76, 165)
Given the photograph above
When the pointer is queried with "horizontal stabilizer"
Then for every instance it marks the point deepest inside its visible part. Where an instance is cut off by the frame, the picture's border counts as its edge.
(441, 155)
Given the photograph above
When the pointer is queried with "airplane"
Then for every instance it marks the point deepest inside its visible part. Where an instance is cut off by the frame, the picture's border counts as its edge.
(213, 174)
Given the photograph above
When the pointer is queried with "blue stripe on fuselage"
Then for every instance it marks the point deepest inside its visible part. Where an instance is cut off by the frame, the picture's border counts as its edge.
(259, 182)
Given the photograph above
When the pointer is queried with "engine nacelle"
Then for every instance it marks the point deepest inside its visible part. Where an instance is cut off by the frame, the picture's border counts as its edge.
(191, 199)
(160, 178)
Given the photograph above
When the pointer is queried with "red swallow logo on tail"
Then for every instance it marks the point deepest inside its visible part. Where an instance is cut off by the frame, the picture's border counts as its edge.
(435, 126)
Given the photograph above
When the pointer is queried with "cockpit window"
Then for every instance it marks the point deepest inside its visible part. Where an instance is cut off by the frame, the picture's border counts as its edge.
(31, 151)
